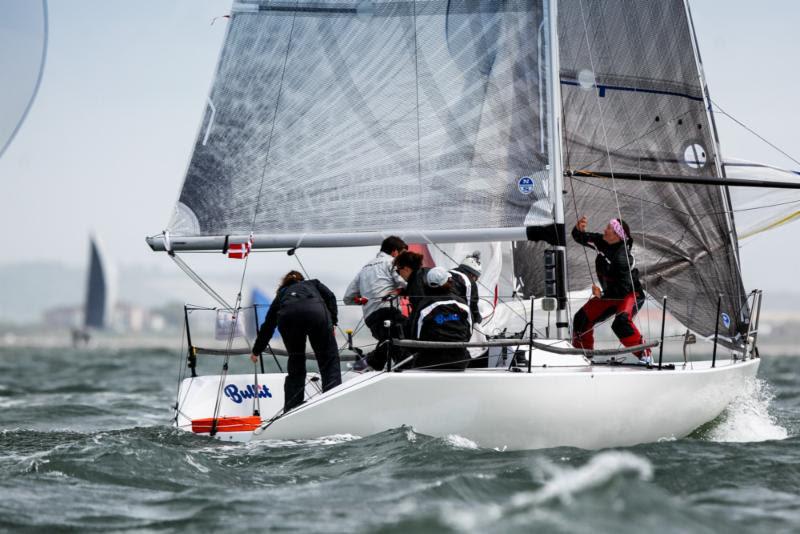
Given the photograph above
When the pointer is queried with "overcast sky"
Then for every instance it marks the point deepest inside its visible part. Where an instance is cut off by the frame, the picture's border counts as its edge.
(107, 141)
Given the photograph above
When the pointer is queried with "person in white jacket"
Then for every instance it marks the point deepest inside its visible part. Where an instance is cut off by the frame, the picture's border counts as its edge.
(372, 288)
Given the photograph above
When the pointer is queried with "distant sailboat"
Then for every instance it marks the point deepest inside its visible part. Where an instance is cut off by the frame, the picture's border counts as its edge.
(97, 306)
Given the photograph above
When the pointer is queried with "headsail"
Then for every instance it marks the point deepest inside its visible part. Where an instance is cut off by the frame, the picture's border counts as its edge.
(634, 102)
(345, 117)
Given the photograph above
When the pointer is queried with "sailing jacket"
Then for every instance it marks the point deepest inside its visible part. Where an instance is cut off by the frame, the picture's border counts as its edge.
(442, 318)
(464, 287)
(416, 289)
(376, 280)
(292, 295)
(616, 267)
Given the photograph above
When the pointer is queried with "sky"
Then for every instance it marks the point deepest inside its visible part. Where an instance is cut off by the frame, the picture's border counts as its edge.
(106, 143)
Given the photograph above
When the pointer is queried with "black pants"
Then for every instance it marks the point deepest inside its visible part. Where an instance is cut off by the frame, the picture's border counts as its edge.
(295, 323)
(442, 359)
(374, 321)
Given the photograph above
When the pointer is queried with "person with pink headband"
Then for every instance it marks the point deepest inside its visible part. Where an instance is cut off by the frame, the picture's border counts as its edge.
(619, 293)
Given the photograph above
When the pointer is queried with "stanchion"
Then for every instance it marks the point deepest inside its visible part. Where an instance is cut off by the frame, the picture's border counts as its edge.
(663, 319)
(530, 339)
(716, 332)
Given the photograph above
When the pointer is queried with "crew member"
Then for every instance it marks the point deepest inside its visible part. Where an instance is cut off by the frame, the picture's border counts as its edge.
(441, 316)
(620, 292)
(373, 288)
(465, 283)
(302, 308)
(409, 266)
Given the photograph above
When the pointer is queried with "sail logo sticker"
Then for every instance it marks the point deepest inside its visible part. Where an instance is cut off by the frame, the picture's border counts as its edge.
(726, 320)
(525, 185)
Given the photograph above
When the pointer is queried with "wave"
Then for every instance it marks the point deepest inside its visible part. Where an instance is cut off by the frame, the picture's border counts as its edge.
(747, 418)
(559, 485)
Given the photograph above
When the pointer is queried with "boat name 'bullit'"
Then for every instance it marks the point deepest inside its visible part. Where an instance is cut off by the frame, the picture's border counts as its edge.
(238, 395)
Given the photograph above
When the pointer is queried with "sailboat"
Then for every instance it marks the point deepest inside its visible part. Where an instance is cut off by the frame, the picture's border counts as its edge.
(465, 123)
(97, 305)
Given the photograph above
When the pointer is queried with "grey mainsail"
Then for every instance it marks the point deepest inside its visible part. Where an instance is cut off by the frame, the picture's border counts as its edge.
(634, 102)
(344, 117)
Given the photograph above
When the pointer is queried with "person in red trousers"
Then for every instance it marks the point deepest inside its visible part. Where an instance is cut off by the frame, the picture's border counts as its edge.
(619, 294)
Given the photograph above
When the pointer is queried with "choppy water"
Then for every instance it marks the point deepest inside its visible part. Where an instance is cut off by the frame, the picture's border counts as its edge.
(86, 445)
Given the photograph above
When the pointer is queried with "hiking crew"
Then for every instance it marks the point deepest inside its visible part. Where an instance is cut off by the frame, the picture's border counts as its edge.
(620, 292)
(302, 308)
(373, 288)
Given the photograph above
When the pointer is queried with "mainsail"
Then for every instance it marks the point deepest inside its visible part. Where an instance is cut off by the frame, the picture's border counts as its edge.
(341, 118)
(634, 102)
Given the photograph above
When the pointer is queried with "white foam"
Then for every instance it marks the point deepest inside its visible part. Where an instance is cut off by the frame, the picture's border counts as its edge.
(324, 440)
(566, 482)
(191, 461)
(460, 442)
(747, 418)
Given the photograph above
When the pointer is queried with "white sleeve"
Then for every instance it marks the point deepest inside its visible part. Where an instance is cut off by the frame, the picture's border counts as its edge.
(353, 290)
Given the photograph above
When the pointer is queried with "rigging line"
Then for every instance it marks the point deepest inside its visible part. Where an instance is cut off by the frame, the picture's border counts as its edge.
(253, 223)
(567, 147)
(608, 150)
(743, 125)
(585, 253)
(637, 140)
(180, 369)
(198, 280)
(416, 88)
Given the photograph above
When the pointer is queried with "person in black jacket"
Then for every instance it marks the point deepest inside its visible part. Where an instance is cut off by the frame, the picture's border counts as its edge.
(620, 292)
(302, 308)
(409, 266)
(441, 315)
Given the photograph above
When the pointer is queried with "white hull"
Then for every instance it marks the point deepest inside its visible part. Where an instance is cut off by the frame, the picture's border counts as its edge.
(579, 405)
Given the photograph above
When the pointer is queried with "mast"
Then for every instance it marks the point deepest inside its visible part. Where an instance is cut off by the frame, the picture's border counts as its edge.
(556, 165)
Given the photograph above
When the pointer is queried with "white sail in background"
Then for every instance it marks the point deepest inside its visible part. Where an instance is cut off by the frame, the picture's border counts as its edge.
(23, 40)
(761, 210)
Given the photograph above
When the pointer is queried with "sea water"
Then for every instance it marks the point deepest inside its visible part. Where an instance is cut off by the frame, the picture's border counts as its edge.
(86, 445)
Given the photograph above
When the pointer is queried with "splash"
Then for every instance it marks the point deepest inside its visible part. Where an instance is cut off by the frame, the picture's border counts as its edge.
(460, 442)
(333, 439)
(747, 418)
